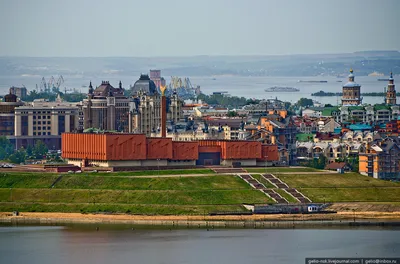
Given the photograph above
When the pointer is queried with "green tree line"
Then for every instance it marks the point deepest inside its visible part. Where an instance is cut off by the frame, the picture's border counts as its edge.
(8, 153)
(226, 101)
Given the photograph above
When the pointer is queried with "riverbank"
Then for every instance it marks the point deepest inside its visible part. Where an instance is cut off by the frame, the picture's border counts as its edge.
(234, 221)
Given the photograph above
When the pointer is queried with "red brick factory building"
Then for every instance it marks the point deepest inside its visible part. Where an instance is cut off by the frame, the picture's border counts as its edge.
(123, 150)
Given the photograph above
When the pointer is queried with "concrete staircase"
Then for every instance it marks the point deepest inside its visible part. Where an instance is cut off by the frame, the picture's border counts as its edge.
(261, 187)
(278, 183)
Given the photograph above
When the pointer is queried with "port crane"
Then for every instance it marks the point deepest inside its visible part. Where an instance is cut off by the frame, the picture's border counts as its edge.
(52, 85)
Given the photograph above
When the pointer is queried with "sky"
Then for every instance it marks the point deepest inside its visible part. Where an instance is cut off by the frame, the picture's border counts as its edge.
(152, 28)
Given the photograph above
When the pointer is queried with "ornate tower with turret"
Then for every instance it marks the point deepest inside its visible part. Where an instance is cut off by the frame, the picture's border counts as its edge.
(351, 91)
(391, 91)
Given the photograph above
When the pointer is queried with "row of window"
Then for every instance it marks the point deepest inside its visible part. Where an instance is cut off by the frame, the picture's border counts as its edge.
(40, 128)
(41, 117)
(41, 112)
(40, 122)
(41, 133)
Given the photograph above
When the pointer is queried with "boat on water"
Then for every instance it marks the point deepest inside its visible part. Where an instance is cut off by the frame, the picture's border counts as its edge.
(311, 81)
(383, 80)
(281, 89)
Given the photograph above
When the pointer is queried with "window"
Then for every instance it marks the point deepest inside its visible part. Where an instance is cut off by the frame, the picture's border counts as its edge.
(48, 117)
(34, 133)
(48, 133)
(34, 122)
(44, 128)
(39, 122)
(48, 128)
(39, 128)
(48, 122)
(39, 134)
(39, 117)
(34, 117)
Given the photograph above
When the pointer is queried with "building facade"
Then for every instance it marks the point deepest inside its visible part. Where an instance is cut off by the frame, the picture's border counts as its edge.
(381, 160)
(121, 150)
(351, 91)
(21, 92)
(7, 114)
(146, 107)
(106, 108)
(44, 121)
(155, 76)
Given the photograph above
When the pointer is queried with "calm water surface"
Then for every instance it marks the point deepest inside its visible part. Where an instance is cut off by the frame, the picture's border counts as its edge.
(64, 245)
(252, 87)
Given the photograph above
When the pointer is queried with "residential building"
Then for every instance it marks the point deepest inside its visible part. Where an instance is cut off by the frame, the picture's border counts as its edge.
(275, 128)
(363, 114)
(381, 159)
(7, 114)
(305, 125)
(331, 150)
(206, 111)
(327, 125)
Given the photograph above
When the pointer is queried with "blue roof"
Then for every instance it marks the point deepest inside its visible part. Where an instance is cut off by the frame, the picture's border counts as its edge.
(360, 127)
(337, 130)
(351, 84)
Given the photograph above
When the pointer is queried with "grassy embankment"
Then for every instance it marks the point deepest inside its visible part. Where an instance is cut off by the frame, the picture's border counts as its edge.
(98, 193)
(349, 187)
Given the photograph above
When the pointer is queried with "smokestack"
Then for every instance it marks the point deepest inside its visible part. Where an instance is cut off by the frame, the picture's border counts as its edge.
(163, 112)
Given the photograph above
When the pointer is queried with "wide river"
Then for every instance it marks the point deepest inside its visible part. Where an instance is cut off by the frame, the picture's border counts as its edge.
(77, 244)
(250, 87)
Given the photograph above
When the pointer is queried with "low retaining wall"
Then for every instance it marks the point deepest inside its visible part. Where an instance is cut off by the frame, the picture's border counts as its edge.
(196, 223)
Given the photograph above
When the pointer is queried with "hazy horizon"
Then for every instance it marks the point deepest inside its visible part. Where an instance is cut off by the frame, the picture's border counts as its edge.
(178, 28)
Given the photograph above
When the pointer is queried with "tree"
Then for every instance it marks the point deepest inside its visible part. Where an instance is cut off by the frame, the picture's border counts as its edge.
(18, 156)
(39, 150)
(305, 102)
(232, 113)
(6, 148)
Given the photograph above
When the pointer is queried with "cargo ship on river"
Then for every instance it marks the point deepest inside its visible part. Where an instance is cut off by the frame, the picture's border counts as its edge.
(281, 89)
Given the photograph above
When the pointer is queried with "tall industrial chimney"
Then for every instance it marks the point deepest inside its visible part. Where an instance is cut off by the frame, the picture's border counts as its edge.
(163, 112)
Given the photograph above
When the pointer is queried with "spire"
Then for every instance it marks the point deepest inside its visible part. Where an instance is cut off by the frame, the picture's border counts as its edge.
(120, 84)
(351, 75)
(90, 88)
(391, 76)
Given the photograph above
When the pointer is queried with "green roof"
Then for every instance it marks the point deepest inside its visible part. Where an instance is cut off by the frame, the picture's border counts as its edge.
(328, 111)
(304, 137)
(381, 107)
(355, 108)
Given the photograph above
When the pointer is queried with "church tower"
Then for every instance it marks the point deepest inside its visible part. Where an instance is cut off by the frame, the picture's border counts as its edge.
(351, 91)
(391, 91)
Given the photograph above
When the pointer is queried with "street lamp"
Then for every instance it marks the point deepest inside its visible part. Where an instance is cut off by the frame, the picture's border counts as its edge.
(266, 163)
(158, 167)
